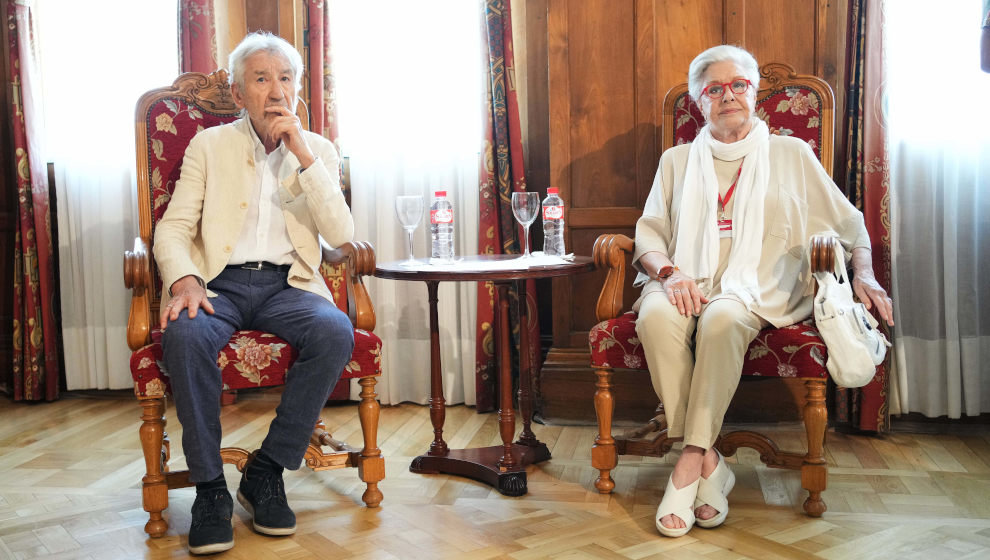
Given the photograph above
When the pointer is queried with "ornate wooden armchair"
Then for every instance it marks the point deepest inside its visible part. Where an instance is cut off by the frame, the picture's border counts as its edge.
(166, 120)
(792, 105)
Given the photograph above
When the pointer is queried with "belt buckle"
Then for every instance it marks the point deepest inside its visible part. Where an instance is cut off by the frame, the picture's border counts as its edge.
(259, 265)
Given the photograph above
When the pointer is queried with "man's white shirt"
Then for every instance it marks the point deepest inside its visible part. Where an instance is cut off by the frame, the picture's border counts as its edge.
(264, 236)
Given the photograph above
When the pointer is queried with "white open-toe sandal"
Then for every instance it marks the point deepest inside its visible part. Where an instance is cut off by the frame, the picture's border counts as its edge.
(714, 491)
(679, 502)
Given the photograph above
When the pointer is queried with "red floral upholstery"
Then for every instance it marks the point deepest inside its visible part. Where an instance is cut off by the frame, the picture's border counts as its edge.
(250, 359)
(791, 111)
(793, 351)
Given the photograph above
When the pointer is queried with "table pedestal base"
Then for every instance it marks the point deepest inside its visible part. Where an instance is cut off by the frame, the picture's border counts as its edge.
(479, 464)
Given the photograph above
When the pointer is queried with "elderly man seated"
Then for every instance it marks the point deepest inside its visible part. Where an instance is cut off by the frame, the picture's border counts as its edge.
(238, 248)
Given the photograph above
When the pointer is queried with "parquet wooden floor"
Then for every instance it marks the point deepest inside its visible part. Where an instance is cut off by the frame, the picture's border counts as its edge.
(70, 488)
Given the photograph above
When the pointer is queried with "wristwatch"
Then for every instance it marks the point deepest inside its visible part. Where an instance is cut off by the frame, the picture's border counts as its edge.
(665, 272)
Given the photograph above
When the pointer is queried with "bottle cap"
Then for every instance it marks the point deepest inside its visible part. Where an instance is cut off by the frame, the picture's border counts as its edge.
(553, 190)
(440, 194)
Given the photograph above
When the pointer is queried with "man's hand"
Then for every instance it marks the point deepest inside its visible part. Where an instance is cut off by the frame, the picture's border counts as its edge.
(286, 127)
(186, 292)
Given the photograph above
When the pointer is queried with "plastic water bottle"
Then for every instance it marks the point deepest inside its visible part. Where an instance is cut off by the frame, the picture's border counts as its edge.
(442, 227)
(553, 224)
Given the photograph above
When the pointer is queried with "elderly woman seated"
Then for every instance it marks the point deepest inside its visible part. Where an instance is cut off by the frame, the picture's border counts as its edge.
(721, 250)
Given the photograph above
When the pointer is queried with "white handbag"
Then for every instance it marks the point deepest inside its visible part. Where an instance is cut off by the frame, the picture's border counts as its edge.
(855, 345)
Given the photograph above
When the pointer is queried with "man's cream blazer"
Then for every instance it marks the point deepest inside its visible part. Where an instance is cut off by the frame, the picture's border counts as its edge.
(205, 216)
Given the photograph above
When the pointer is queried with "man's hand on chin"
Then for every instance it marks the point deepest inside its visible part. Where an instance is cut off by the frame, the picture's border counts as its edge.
(187, 292)
(285, 126)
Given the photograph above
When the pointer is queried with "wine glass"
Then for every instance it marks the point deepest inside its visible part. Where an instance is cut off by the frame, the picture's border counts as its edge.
(525, 207)
(409, 211)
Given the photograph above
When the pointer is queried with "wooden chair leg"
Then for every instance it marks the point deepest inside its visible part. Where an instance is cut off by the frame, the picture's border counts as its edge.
(603, 454)
(372, 466)
(814, 471)
(155, 486)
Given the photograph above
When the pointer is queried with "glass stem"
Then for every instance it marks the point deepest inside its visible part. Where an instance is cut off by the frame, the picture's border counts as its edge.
(409, 244)
(526, 240)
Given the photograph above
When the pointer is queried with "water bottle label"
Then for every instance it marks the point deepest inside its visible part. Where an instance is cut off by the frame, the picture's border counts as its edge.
(553, 212)
(443, 216)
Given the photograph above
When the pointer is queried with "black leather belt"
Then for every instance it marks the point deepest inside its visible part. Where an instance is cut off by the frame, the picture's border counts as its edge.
(262, 265)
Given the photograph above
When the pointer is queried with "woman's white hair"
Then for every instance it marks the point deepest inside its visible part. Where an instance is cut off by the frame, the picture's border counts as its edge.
(722, 53)
(264, 41)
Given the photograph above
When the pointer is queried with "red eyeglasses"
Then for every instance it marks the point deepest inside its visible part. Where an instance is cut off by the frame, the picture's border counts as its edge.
(717, 91)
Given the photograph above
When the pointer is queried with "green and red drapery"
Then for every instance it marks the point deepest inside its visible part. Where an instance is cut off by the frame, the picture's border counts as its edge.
(35, 374)
(197, 36)
(502, 173)
(868, 186)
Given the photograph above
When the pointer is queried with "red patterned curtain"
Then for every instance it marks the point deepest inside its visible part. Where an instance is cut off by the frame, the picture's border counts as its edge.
(322, 97)
(868, 186)
(35, 371)
(197, 36)
(501, 174)
(323, 120)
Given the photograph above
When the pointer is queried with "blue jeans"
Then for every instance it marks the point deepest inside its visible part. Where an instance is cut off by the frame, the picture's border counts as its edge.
(261, 300)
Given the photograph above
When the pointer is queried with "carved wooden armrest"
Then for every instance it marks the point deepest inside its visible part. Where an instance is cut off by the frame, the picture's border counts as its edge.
(610, 252)
(360, 259)
(822, 253)
(137, 277)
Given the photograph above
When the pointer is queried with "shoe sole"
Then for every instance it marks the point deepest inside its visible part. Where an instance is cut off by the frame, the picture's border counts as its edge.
(271, 531)
(212, 548)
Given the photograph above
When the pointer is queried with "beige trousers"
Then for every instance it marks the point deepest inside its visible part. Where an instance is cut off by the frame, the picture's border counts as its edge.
(696, 362)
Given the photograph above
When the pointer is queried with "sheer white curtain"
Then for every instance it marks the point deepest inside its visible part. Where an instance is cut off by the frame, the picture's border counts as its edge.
(940, 206)
(408, 79)
(97, 58)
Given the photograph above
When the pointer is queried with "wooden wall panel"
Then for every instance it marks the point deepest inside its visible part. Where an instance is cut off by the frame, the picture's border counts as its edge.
(602, 107)
(776, 31)
(603, 134)
(609, 64)
(684, 29)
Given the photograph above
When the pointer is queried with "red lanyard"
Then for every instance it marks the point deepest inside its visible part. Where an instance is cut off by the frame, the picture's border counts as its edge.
(728, 195)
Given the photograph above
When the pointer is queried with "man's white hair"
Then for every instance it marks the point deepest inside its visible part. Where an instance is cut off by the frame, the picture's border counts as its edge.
(264, 41)
(722, 53)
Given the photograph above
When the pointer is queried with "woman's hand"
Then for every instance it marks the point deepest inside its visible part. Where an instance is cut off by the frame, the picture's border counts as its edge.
(871, 293)
(186, 292)
(866, 287)
(684, 293)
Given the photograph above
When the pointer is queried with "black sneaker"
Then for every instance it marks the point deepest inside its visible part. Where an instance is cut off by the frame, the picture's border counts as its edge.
(211, 530)
(262, 493)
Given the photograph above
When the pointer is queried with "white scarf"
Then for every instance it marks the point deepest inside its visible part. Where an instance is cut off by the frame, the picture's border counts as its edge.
(697, 231)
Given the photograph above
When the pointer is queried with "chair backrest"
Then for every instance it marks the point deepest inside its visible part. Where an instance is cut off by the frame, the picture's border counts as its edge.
(166, 119)
(791, 104)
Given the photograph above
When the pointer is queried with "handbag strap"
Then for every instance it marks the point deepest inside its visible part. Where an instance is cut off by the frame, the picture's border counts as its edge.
(840, 263)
